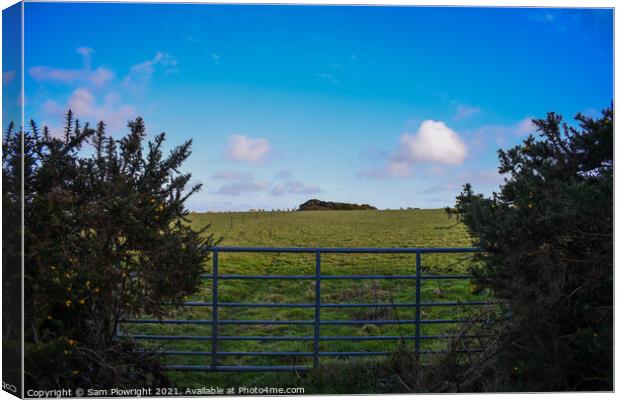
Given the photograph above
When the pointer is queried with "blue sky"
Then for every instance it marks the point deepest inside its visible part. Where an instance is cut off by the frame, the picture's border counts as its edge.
(395, 107)
(11, 65)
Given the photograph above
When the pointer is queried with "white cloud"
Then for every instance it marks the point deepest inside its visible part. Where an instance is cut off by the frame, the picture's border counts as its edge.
(96, 78)
(86, 53)
(42, 73)
(164, 59)
(238, 183)
(294, 187)
(98, 95)
(237, 188)
(232, 175)
(501, 135)
(86, 107)
(52, 108)
(390, 169)
(434, 142)
(286, 184)
(100, 76)
(139, 75)
(399, 168)
(284, 174)
(525, 127)
(464, 111)
(242, 148)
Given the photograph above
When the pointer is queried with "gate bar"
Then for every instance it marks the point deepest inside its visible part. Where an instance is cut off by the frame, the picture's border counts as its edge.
(336, 305)
(346, 250)
(312, 277)
(418, 286)
(317, 308)
(214, 294)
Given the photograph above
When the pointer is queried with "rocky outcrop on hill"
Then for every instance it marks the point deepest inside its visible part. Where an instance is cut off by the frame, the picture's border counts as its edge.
(315, 204)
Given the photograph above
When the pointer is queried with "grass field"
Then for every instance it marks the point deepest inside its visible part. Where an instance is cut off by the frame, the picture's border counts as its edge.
(407, 228)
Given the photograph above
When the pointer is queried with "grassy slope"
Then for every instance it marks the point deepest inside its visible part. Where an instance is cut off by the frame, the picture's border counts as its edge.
(411, 228)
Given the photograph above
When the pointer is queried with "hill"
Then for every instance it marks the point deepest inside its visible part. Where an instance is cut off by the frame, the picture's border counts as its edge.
(315, 204)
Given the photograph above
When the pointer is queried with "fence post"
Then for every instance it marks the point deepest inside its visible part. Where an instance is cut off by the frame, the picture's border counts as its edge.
(214, 311)
(317, 308)
(418, 287)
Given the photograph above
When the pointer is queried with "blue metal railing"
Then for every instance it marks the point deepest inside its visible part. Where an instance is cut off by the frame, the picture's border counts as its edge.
(215, 338)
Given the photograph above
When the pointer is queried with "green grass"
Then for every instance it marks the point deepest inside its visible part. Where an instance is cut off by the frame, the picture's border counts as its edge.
(411, 228)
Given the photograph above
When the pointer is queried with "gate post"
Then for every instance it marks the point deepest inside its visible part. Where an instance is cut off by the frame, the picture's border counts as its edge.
(214, 311)
(317, 308)
(418, 286)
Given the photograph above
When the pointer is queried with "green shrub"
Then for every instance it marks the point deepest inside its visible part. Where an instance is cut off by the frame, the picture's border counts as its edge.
(105, 239)
(548, 237)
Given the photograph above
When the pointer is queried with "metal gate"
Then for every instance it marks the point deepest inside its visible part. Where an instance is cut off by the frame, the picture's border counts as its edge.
(215, 338)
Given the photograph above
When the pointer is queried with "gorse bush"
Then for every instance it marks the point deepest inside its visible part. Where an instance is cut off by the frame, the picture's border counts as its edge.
(105, 239)
(11, 258)
(548, 237)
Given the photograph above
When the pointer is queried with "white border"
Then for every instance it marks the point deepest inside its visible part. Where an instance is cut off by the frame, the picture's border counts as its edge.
(480, 3)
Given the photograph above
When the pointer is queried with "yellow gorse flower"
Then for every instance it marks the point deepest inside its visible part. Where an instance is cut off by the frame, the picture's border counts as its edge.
(68, 303)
